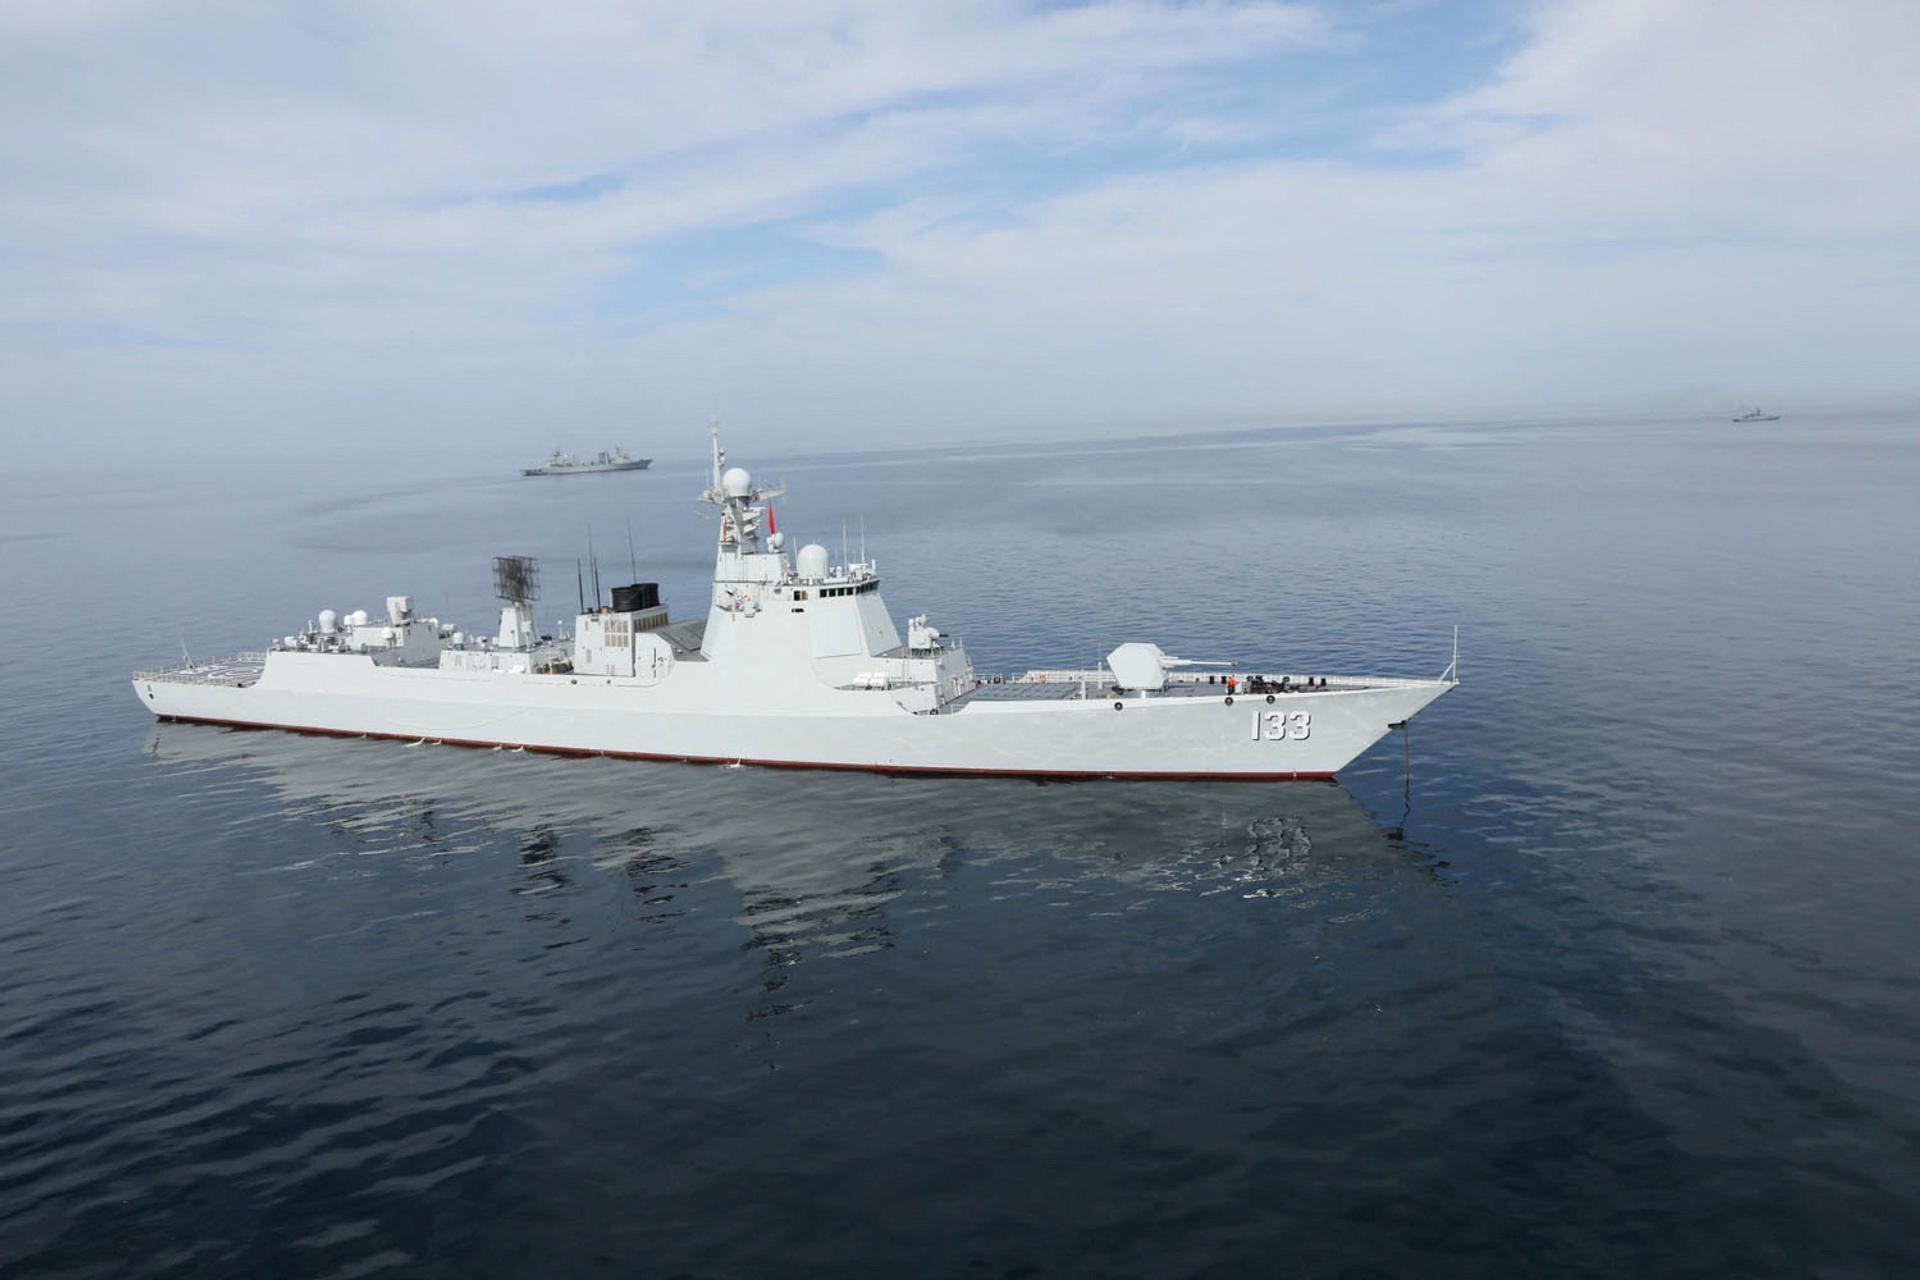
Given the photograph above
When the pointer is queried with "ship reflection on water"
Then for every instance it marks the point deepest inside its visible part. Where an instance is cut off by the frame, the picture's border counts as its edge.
(820, 864)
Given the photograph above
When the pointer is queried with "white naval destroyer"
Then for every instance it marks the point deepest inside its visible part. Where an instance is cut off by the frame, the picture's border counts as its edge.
(797, 664)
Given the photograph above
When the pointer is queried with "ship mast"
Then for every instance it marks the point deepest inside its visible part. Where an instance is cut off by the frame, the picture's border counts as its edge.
(732, 490)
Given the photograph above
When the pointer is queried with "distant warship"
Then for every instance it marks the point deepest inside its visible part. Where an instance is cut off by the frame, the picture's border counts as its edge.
(565, 464)
(1756, 415)
(797, 664)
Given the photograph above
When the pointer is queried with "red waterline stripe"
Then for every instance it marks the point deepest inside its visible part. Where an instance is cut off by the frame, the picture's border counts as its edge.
(932, 770)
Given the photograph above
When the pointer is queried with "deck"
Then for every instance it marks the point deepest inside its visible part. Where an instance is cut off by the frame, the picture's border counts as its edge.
(1067, 685)
(239, 670)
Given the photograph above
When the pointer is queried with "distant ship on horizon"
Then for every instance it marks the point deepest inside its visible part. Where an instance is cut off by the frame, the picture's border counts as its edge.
(1755, 414)
(565, 464)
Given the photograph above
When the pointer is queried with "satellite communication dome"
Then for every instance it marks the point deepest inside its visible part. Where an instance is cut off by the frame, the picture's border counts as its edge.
(811, 563)
(328, 619)
(738, 482)
(776, 540)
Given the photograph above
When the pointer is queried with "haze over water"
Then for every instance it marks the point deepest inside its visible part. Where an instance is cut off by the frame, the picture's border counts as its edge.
(1623, 980)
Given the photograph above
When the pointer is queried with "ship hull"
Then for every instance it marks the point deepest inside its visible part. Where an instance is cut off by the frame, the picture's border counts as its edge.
(1298, 736)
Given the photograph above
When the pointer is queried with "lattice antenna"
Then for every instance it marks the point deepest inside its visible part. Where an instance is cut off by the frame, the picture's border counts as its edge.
(516, 579)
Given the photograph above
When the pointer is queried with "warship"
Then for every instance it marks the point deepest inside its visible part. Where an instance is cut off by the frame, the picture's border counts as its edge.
(566, 464)
(797, 663)
(1757, 414)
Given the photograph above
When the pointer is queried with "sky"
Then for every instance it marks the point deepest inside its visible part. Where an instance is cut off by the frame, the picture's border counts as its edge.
(486, 229)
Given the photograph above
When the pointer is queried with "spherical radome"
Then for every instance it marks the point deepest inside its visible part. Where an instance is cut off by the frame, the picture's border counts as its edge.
(738, 482)
(811, 562)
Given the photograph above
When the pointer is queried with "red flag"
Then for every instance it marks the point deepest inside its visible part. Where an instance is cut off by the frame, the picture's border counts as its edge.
(770, 528)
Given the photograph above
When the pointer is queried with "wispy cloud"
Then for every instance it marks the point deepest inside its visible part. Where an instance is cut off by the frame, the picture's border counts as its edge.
(442, 222)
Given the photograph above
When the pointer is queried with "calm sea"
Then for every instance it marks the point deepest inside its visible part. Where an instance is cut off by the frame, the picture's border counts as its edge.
(1618, 978)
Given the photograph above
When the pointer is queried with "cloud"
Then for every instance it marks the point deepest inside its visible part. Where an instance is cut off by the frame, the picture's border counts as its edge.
(1590, 228)
(435, 223)
(1784, 118)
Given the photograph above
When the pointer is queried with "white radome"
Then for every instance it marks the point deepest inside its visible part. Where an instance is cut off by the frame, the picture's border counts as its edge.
(811, 564)
(797, 663)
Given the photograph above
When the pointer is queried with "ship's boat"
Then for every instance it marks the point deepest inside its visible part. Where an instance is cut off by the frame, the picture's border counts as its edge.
(797, 663)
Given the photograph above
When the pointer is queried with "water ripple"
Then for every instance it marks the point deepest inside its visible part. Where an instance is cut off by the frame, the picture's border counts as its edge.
(1620, 979)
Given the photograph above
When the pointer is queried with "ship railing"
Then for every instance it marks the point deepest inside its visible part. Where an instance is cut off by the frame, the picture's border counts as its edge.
(1066, 675)
(1299, 678)
(1101, 678)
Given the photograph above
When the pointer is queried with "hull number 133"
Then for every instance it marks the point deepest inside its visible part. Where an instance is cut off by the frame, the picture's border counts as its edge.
(1278, 726)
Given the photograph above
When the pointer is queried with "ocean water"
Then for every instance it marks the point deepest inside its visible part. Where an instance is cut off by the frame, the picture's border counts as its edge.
(1609, 968)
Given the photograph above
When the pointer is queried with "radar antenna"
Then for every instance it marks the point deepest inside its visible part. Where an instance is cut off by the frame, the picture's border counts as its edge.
(739, 500)
(516, 579)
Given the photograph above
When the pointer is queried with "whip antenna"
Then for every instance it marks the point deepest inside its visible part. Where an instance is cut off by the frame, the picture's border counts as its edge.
(593, 561)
